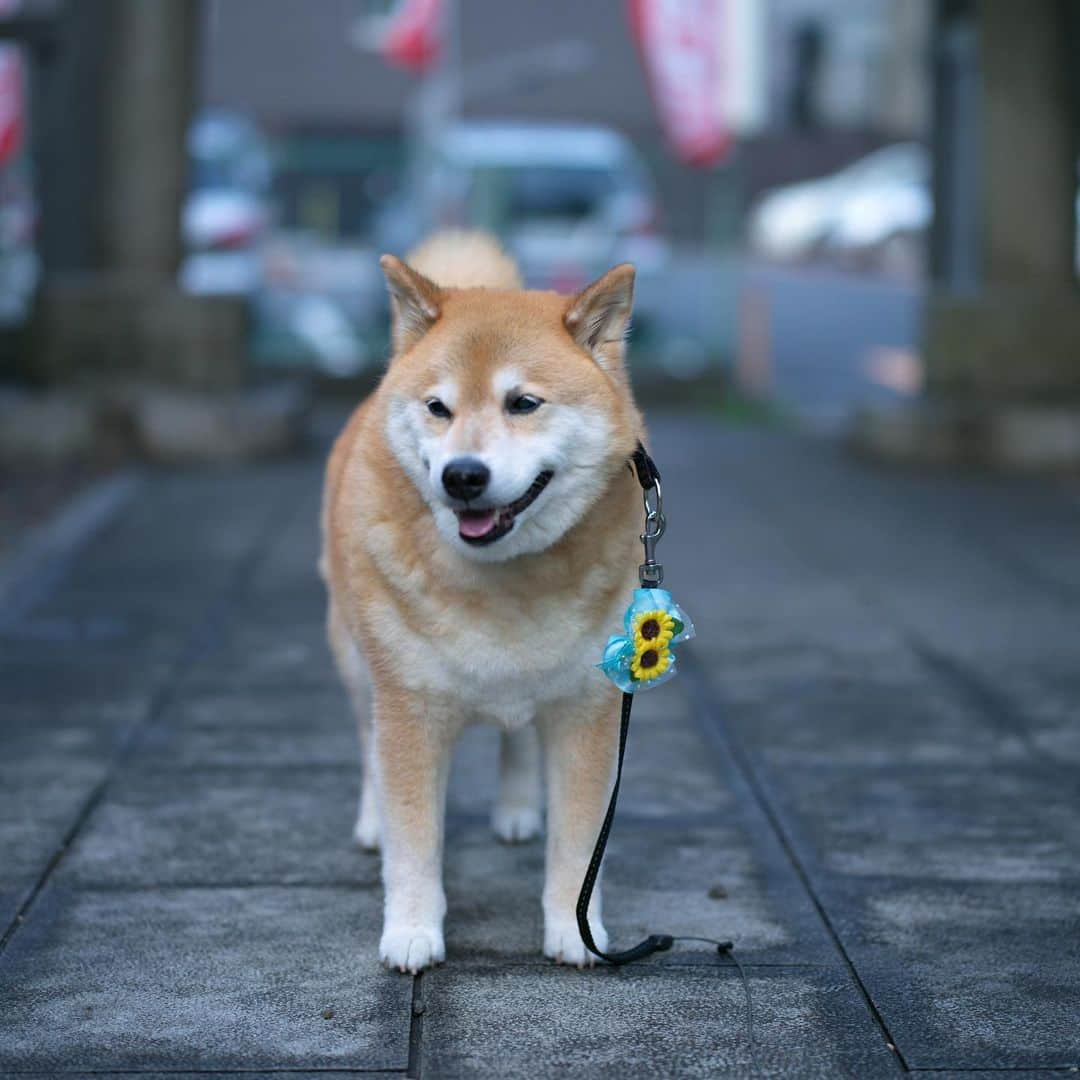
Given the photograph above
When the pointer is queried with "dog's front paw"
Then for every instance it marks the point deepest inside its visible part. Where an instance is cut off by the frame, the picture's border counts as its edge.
(411, 948)
(515, 824)
(563, 944)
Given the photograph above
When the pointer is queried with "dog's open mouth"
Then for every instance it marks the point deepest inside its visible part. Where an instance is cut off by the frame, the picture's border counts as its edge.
(486, 526)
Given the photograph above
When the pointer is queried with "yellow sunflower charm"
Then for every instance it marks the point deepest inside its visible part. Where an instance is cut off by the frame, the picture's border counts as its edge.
(653, 629)
(642, 656)
(650, 661)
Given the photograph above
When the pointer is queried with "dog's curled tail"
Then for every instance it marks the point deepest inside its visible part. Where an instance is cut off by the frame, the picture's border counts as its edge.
(459, 258)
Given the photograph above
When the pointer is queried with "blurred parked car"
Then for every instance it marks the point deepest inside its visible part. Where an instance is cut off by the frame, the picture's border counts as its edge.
(307, 293)
(227, 211)
(568, 201)
(874, 213)
(321, 304)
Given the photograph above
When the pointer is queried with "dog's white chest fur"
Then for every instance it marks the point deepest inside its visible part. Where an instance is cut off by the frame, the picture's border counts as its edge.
(502, 669)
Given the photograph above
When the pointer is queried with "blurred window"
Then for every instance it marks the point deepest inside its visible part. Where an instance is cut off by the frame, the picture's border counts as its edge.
(541, 193)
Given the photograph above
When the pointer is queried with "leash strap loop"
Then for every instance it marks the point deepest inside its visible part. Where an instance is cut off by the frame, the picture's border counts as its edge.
(648, 475)
(654, 942)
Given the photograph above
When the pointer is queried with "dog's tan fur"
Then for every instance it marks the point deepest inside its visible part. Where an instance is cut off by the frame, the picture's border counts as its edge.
(450, 637)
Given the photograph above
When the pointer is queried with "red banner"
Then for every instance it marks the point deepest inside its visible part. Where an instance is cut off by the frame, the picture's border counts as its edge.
(12, 94)
(414, 37)
(680, 49)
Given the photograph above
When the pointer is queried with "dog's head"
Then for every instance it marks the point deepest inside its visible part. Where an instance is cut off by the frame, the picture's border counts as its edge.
(510, 410)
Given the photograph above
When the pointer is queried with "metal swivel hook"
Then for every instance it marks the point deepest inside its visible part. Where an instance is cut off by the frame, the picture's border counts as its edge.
(651, 572)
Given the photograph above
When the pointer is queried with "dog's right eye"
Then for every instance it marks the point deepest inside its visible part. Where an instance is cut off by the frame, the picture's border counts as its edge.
(437, 408)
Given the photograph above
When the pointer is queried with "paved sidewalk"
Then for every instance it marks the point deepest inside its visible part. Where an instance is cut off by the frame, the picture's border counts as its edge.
(868, 778)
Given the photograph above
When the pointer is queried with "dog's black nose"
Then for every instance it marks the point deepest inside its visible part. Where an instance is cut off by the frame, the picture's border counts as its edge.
(465, 478)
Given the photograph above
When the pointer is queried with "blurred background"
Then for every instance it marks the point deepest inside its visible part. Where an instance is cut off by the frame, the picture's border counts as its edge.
(855, 215)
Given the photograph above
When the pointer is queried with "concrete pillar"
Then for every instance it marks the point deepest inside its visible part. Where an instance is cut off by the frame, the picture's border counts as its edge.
(1002, 329)
(1028, 146)
(110, 310)
(1008, 329)
(149, 95)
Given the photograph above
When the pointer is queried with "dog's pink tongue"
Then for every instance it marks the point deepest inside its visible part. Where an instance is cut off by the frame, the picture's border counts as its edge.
(476, 523)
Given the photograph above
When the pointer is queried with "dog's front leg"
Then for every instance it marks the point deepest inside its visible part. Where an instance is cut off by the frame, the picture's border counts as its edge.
(412, 753)
(581, 743)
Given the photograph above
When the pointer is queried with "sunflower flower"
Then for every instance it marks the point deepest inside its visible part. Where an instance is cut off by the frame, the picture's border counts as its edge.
(650, 661)
(642, 656)
(653, 629)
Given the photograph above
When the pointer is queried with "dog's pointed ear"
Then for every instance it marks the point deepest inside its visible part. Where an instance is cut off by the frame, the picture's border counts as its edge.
(599, 316)
(415, 302)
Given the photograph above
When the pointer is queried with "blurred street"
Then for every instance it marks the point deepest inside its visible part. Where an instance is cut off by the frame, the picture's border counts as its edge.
(866, 778)
(827, 332)
(817, 339)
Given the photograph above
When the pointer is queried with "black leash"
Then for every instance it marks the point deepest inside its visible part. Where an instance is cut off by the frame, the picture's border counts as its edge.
(651, 575)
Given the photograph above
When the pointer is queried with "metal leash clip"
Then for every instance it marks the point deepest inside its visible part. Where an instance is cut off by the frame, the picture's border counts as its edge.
(651, 572)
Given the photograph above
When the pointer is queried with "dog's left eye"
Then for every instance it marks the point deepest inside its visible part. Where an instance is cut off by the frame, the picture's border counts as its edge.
(523, 403)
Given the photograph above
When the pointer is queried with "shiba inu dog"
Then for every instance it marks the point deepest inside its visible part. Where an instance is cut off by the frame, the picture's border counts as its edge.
(480, 532)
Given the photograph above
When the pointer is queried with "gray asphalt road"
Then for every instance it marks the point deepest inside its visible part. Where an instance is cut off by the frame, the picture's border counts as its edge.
(825, 339)
(828, 331)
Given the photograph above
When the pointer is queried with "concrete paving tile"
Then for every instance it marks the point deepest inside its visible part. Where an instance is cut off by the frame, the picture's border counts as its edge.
(205, 979)
(954, 893)
(971, 976)
(929, 573)
(217, 1074)
(200, 826)
(871, 719)
(77, 672)
(90, 632)
(1009, 824)
(645, 1021)
(54, 754)
(275, 726)
(263, 651)
(39, 800)
(995, 1074)
(42, 682)
(756, 621)
(183, 575)
(289, 597)
(710, 880)
(51, 764)
(1044, 701)
(13, 894)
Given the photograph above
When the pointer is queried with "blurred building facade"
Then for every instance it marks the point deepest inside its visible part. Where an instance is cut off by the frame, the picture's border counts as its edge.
(842, 77)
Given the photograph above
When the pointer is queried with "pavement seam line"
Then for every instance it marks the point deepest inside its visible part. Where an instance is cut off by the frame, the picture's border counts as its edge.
(416, 1027)
(708, 707)
(201, 632)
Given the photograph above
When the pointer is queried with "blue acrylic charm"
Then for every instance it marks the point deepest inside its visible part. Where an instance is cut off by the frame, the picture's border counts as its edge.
(643, 655)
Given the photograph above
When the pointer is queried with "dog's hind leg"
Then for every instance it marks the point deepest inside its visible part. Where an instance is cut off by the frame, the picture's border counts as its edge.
(354, 676)
(517, 812)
